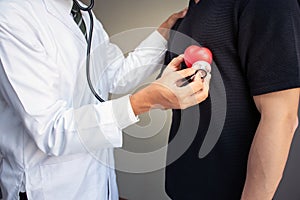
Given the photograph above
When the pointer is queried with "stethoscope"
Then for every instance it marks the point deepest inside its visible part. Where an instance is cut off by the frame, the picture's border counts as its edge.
(89, 42)
(88, 51)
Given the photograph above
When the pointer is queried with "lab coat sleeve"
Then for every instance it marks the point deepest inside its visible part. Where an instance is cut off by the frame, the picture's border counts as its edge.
(129, 72)
(30, 83)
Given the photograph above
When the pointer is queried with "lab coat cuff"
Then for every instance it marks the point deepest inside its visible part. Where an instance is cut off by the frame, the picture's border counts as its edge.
(159, 38)
(123, 112)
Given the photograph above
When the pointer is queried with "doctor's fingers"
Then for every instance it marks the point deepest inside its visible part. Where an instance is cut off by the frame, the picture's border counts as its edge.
(199, 78)
(203, 93)
(192, 93)
(207, 79)
(181, 75)
(195, 98)
(192, 87)
(174, 65)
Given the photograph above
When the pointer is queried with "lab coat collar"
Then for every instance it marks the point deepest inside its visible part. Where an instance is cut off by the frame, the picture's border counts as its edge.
(59, 6)
(61, 9)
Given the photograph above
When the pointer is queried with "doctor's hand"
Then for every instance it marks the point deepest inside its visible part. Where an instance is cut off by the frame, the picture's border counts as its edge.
(164, 28)
(168, 91)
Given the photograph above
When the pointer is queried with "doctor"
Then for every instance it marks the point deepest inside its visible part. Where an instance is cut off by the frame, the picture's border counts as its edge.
(56, 138)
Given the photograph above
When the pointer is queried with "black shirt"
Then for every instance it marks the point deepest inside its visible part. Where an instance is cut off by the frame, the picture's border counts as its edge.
(256, 50)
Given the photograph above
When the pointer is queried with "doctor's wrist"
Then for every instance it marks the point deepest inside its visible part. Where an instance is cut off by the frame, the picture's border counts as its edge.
(141, 101)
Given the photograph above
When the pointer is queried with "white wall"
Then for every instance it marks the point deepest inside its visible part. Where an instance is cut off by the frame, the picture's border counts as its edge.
(121, 15)
(126, 22)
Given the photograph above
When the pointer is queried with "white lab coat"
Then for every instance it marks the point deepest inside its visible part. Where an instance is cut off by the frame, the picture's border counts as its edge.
(55, 138)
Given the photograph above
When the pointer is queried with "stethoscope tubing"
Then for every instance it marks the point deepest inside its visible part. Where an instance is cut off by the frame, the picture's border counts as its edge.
(89, 44)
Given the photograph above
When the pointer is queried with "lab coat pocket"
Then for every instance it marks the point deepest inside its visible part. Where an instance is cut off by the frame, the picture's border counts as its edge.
(71, 179)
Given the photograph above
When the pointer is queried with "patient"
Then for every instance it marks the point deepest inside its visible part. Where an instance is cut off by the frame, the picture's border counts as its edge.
(235, 144)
